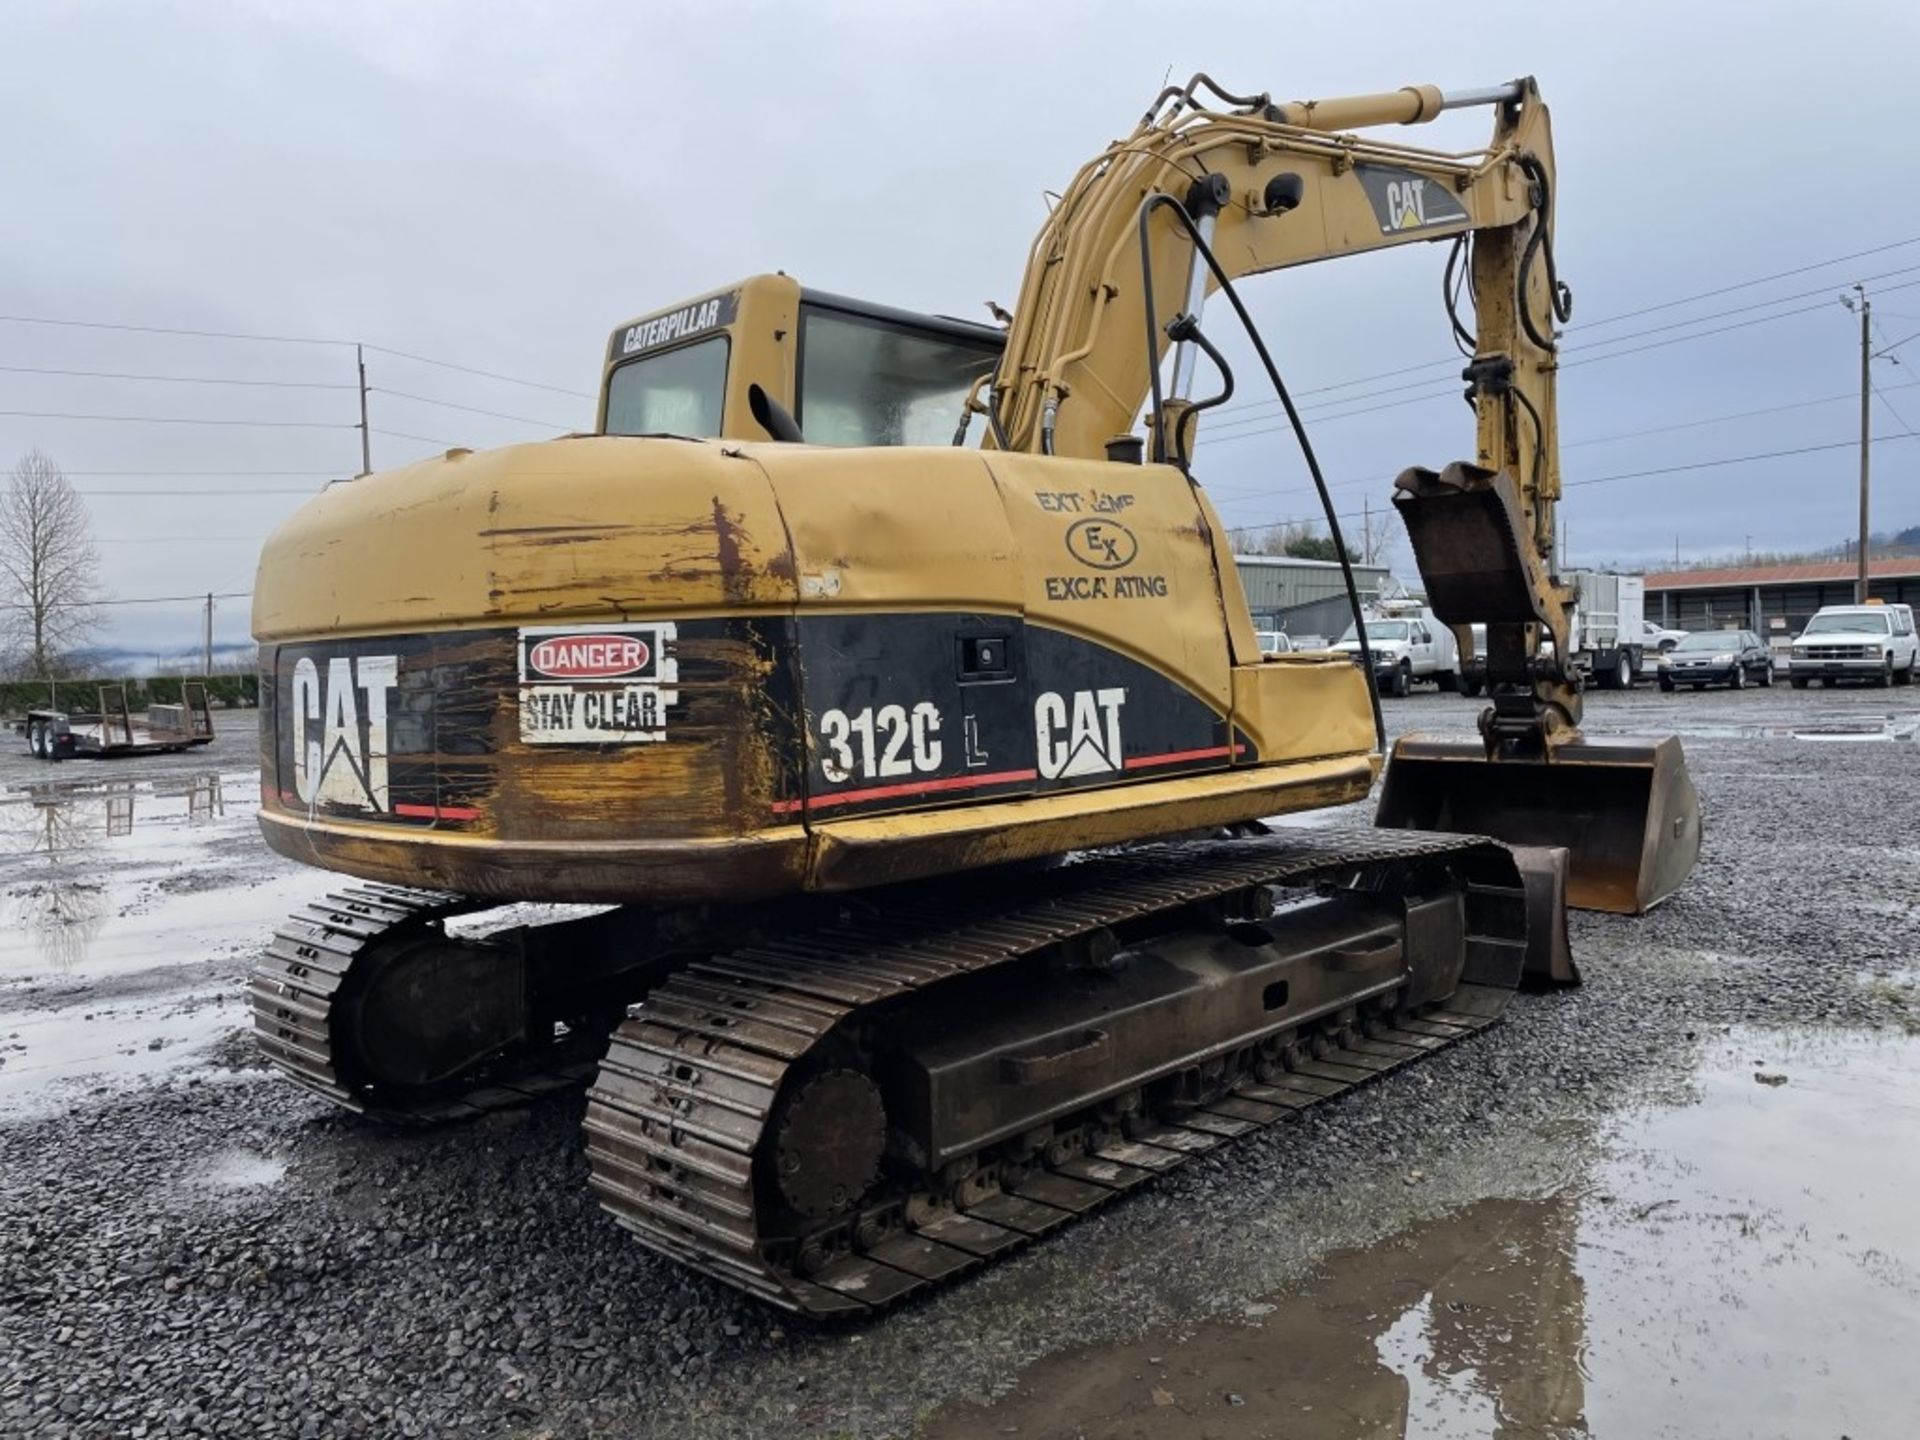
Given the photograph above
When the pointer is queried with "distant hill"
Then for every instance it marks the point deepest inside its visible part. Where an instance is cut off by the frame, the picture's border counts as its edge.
(138, 662)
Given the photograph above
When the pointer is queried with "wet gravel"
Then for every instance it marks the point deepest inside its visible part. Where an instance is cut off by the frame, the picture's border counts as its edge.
(215, 1254)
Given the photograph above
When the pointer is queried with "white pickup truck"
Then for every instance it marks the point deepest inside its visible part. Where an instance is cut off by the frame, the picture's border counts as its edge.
(1875, 643)
(1406, 648)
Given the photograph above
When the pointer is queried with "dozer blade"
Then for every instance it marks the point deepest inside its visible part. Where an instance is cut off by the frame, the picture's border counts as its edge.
(1623, 808)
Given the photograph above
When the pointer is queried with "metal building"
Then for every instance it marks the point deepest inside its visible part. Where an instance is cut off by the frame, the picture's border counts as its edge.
(1304, 597)
(1775, 601)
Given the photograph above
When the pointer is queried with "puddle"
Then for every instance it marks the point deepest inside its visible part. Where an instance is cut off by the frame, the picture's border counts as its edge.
(47, 1056)
(1892, 727)
(241, 1170)
(104, 875)
(1744, 1266)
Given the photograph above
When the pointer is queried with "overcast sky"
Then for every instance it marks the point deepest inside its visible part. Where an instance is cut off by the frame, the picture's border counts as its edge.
(496, 185)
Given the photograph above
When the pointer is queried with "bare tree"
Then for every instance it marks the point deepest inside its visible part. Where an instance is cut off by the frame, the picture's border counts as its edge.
(48, 563)
(1379, 533)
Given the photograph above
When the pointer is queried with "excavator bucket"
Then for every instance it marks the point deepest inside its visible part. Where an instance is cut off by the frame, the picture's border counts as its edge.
(1624, 809)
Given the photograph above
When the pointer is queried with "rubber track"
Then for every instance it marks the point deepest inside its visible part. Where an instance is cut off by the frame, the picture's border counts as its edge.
(291, 991)
(690, 1079)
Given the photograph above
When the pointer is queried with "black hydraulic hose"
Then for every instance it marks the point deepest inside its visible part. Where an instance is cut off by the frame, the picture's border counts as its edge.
(993, 419)
(1464, 339)
(1147, 207)
(1559, 297)
(1539, 435)
(1158, 454)
(1184, 327)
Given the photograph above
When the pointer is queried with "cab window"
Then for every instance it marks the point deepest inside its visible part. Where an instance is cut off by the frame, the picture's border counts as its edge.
(867, 381)
(672, 392)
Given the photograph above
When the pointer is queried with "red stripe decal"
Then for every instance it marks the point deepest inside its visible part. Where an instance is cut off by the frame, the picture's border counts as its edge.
(1214, 752)
(966, 782)
(912, 787)
(412, 812)
(438, 812)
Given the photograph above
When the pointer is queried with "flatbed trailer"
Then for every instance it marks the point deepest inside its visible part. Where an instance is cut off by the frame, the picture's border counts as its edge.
(109, 732)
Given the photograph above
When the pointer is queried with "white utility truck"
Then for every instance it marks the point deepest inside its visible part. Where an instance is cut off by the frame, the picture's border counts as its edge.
(1608, 628)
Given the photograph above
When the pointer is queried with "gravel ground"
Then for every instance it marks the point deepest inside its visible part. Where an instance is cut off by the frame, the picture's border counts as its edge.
(209, 1252)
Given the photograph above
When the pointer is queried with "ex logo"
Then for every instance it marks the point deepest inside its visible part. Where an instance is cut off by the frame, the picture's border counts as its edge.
(1102, 544)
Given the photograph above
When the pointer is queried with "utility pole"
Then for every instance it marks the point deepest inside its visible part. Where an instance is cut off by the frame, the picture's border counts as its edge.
(366, 445)
(1366, 530)
(208, 670)
(1865, 310)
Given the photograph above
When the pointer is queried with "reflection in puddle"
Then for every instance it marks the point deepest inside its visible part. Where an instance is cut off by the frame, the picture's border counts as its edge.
(1739, 1266)
(58, 857)
(1890, 727)
(241, 1170)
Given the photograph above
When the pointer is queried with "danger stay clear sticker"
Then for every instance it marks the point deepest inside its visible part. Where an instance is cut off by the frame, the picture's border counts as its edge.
(596, 684)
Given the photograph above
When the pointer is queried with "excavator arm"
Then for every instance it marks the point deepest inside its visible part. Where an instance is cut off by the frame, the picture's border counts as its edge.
(1274, 185)
(1114, 279)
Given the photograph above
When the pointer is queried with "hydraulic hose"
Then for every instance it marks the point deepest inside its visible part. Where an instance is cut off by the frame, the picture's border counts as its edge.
(1205, 251)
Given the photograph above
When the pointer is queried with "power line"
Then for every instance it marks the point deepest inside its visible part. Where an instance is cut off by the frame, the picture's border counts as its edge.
(403, 435)
(196, 474)
(1722, 419)
(171, 494)
(1606, 479)
(1893, 409)
(1227, 494)
(1452, 361)
(168, 599)
(1268, 424)
(1614, 340)
(1761, 280)
(178, 420)
(1731, 460)
(470, 409)
(279, 340)
(177, 379)
(167, 330)
(486, 374)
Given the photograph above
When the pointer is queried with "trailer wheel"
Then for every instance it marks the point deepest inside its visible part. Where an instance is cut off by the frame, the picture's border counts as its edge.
(37, 738)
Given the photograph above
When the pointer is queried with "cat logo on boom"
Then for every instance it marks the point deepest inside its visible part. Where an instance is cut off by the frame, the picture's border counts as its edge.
(1403, 200)
(1078, 734)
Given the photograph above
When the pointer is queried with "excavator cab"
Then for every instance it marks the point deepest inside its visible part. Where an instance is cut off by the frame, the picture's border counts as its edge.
(769, 358)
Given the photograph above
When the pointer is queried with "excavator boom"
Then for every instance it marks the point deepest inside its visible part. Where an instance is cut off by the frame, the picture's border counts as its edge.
(1269, 185)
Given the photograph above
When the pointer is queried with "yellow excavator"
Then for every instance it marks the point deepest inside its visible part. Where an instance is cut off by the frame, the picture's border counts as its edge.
(887, 706)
